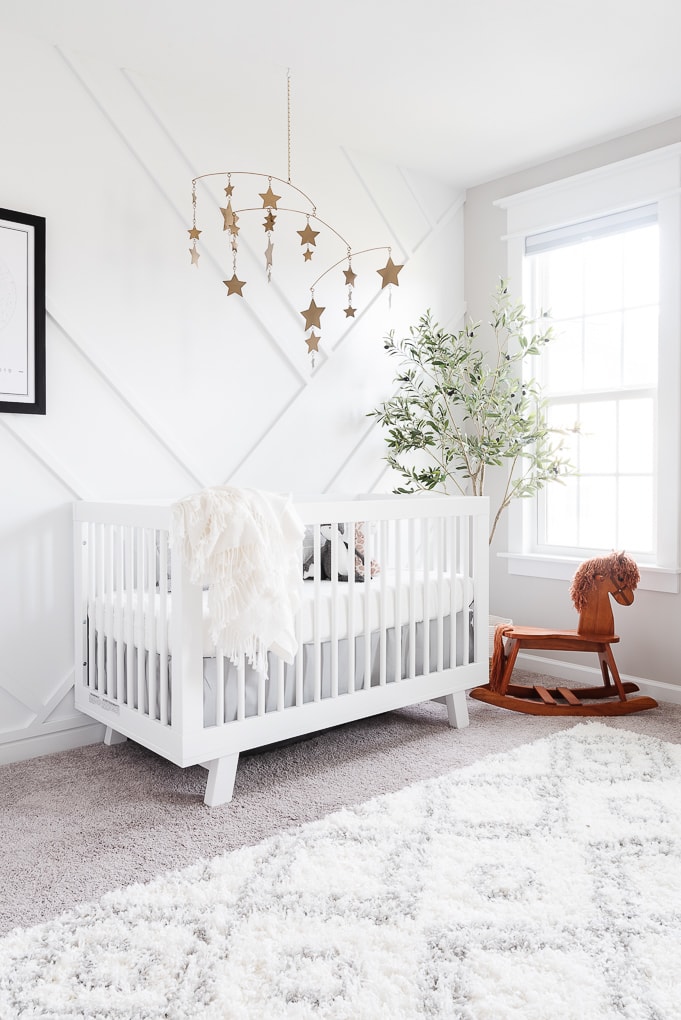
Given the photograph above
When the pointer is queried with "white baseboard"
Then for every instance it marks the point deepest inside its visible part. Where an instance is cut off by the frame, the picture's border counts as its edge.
(577, 673)
(33, 745)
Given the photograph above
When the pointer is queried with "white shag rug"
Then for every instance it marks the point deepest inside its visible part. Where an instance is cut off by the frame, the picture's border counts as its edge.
(540, 884)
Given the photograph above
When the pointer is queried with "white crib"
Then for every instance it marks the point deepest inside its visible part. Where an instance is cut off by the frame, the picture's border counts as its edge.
(416, 630)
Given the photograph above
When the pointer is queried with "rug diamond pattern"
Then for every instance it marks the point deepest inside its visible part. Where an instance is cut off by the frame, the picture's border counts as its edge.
(545, 882)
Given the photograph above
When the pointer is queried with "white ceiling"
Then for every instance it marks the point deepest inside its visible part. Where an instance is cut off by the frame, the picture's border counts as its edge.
(467, 90)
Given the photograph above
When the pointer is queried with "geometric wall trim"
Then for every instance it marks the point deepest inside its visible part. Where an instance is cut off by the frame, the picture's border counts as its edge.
(158, 383)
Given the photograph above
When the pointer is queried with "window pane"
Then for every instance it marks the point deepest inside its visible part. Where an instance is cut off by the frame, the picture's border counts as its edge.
(641, 266)
(562, 358)
(603, 274)
(598, 513)
(602, 351)
(636, 438)
(639, 346)
(562, 284)
(636, 515)
(564, 418)
(561, 502)
(598, 438)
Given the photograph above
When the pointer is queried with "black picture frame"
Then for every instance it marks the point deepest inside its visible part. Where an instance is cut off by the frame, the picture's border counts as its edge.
(22, 313)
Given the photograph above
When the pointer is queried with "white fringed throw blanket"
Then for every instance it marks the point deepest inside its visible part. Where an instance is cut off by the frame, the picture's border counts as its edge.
(246, 546)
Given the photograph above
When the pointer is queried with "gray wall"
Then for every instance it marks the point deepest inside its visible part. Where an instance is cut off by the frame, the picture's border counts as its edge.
(651, 629)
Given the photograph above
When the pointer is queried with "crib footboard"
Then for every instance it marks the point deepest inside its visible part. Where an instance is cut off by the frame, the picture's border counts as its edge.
(394, 611)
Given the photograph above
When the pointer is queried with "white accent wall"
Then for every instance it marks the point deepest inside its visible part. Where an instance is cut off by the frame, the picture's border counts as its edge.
(650, 646)
(158, 383)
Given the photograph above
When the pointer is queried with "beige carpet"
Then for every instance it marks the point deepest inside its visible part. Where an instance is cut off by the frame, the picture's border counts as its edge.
(77, 824)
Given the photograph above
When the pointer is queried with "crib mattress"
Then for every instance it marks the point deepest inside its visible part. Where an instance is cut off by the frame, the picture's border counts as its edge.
(386, 601)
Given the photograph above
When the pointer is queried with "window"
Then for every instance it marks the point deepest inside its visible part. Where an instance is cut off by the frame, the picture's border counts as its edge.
(600, 280)
(602, 253)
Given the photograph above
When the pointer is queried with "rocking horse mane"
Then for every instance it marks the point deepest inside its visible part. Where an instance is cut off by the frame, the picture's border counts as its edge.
(616, 564)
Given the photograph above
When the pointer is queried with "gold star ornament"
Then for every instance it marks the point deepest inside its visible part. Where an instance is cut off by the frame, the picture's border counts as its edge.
(269, 221)
(312, 342)
(194, 233)
(234, 286)
(307, 254)
(389, 273)
(350, 312)
(230, 218)
(350, 277)
(308, 235)
(269, 199)
(312, 315)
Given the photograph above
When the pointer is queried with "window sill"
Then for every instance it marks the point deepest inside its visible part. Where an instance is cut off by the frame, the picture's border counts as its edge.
(562, 568)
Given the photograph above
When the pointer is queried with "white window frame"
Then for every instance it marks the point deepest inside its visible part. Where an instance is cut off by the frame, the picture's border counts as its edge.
(653, 177)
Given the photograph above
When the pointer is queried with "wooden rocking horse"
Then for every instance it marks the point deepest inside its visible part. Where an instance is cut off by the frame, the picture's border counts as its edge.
(593, 584)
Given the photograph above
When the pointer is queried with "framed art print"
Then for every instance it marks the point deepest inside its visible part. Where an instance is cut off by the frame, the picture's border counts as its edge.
(22, 313)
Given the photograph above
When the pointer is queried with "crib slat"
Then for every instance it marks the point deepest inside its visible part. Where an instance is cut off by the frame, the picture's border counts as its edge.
(163, 677)
(139, 618)
(151, 603)
(241, 689)
(334, 606)
(280, 685)
(398, 599)
(425, 560)
(351, 609)
(366, 594)
(383, 581)
(300, 656)
(131, 536)
(317, 660)
(118, 608)
(92, 606)
(452, 570)
(479, 568)
(220, 687)
(440, 555)
(107, 553)
(99, 588)
(412, 596)
(465, 574)
(261, 693)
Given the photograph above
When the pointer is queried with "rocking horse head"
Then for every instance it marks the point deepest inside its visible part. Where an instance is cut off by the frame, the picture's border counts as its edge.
(594, 582)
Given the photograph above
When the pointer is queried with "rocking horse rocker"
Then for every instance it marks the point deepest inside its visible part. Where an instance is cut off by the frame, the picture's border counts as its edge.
(592, 585)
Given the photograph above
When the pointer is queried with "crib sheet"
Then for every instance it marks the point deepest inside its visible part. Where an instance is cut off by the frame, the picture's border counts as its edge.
(282, 688)
(386, 601)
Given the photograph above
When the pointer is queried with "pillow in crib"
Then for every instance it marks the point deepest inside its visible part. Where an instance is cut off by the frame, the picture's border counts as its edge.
(347, 557)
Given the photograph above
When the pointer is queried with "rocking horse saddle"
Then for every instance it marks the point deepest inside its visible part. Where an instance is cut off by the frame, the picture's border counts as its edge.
(591, 588)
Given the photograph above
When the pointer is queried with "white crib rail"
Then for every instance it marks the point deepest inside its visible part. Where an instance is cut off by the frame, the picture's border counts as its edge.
(142, 650)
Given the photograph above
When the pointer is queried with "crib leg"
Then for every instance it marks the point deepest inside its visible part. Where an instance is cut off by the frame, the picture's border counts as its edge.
(457, 709)
(113, 737)
(220, 784)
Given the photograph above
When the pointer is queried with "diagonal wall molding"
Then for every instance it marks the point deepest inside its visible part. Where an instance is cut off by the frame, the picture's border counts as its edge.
(94, 90)
(446, 218)
(75, 487)
(399, 243)
(130, 400)
(367, 433)
(52, 702)
(146, 101)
